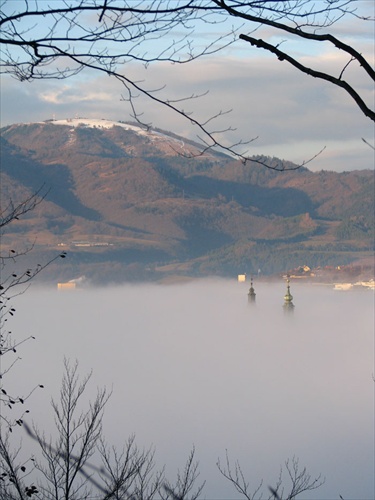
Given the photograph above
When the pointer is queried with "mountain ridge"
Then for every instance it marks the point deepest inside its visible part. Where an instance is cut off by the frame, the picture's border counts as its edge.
(131, 195)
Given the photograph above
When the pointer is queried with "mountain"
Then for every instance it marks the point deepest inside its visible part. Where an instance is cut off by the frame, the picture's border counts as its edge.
(133, 203)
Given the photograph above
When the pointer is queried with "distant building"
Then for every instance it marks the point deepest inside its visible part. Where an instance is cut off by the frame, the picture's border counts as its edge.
(288, 298)
(251, 295)
(241, 278)
(70, 285)
(301, 272)
(343, 286)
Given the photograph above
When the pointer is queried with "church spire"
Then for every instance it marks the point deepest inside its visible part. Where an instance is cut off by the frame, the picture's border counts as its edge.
(288, 298)
(251, 295)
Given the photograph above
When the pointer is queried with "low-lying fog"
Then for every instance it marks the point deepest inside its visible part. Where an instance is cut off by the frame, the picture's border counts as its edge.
(195, 365)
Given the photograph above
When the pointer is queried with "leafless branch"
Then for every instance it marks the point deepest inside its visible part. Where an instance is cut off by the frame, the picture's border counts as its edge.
(283, 56)
(237, 478)
(183, 489)
(300, 481)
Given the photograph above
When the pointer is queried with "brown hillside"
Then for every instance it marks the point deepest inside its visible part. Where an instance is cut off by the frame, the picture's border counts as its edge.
(132, 197)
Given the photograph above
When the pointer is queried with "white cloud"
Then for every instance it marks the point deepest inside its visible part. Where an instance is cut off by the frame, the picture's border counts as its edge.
(71, 95)
(53, 96)
(293, 115)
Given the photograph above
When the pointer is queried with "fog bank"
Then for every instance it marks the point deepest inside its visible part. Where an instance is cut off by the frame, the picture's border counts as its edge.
(195, 364)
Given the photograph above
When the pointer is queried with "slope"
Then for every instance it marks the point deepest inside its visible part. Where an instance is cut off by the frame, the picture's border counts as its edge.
(121, 196)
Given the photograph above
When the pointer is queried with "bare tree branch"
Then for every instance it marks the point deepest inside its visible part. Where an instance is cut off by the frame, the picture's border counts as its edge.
(237, 478)
(183, 489)
(300, 481)
(283, 56)
(78, 432)
(12, 284)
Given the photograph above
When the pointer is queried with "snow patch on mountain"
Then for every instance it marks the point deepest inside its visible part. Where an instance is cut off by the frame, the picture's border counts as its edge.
(103, 123)
(153, 135)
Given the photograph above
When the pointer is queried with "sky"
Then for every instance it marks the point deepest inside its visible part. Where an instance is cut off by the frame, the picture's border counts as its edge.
(291, 115)
(195, 365)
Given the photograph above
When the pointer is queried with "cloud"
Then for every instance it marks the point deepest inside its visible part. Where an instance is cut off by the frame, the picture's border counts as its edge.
(293, 115)
(68, 95)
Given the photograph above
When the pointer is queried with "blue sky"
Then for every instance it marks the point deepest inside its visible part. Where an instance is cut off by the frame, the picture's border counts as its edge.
(292, 116)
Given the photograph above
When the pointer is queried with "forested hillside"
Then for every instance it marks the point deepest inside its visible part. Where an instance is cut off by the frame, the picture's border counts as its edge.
(130, 203)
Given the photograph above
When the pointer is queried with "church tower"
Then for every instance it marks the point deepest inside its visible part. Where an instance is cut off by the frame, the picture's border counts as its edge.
(288, 298)
(251, 295)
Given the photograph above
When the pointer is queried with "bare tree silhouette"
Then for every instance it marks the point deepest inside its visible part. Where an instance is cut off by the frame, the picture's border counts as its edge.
(13, 283)
(298, 479)
(15, 470)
